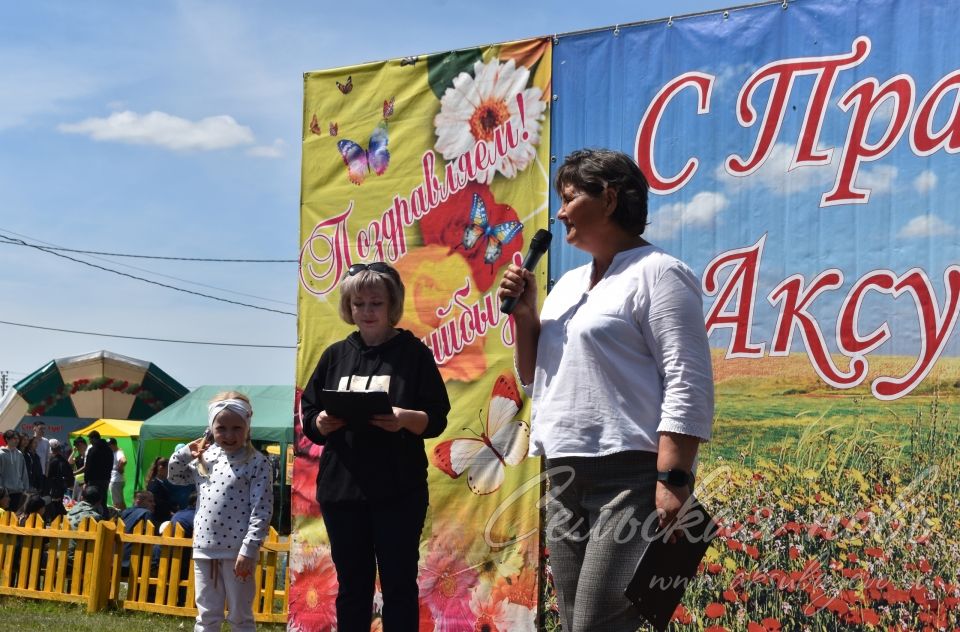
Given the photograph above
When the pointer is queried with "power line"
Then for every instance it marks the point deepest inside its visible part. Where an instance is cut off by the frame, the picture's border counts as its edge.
(131, 276)
(162, 258)
(184, 342)
(50, 246)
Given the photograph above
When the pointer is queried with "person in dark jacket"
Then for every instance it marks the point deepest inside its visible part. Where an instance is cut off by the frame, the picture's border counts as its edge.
(372, 480)
(98, 463)
(59, 472)
(34, 466)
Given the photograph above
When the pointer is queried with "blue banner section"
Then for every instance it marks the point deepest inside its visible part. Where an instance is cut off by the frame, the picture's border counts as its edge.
(801, 161)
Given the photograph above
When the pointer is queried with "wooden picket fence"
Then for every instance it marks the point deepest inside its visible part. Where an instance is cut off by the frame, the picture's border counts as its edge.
(36, 562)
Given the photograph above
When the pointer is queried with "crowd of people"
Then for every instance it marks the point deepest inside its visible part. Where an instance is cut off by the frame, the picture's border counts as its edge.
(218, 489)
(41, 475)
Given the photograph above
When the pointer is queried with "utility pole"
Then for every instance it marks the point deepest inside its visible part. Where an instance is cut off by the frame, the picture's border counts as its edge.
(4, 376)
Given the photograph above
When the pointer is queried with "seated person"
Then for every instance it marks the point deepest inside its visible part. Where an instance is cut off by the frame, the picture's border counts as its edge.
(53, 509)
(90, 506)
(141, 511)
(184, 518)
(33, 505)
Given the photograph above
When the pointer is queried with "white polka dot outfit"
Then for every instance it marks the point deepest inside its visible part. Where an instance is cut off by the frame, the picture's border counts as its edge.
(234, 503)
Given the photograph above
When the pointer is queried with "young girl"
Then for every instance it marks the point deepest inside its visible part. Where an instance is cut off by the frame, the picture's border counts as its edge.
(234, 508)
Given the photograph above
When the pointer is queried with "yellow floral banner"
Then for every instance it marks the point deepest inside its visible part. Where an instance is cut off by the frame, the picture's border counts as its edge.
(439, 165)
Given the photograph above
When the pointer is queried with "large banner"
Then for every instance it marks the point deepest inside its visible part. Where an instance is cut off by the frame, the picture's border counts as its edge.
(801, 160)
(800, 156)
(438, 165)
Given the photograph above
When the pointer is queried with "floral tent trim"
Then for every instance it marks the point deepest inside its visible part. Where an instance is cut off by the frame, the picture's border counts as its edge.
(96, 384)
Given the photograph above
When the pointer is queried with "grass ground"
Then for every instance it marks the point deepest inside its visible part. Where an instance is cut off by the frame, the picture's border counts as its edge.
(770, 407)
(50, 616)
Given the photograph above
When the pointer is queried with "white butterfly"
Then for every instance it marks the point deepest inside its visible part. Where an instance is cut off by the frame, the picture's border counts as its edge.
(504, 442)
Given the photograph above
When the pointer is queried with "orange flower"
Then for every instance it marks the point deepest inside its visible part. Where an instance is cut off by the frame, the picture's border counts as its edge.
(730, 595)
(431, 275)
(715, 610)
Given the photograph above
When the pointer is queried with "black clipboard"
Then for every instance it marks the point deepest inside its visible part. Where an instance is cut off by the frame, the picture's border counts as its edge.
(355, 407)
(665, 569)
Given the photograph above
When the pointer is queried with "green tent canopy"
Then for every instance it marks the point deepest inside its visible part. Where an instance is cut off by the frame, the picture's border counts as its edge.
(186, 420)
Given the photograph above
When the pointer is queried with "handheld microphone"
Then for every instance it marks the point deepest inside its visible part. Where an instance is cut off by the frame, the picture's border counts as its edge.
(538, 246)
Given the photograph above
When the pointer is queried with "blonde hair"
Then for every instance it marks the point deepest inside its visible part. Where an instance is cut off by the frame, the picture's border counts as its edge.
(371, 279)
(249, 450)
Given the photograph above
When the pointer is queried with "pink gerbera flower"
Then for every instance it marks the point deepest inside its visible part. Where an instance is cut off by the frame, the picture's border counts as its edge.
(445, 586)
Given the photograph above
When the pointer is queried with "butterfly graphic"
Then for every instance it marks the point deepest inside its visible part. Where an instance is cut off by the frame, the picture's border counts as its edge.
(479, 226)
(346, 87)
(334, 129)
(388, 108)
(409, 61)
(315, 126)
(360, 162)
(504, 442)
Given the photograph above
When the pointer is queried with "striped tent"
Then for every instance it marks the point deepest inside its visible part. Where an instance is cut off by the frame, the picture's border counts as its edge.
(95, 385)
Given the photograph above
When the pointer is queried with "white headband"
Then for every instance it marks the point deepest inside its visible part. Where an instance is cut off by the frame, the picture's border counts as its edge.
(237, 406)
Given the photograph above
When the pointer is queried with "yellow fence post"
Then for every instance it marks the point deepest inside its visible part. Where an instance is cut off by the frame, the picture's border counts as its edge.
(102, 552)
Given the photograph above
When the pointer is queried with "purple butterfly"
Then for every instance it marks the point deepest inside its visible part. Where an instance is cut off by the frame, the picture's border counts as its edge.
(360, 162)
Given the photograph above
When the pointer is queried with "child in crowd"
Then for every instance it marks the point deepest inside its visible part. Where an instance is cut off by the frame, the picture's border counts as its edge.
(234, 508)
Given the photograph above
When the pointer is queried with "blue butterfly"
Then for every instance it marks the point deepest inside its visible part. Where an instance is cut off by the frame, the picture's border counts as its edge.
(360, 162)
(479, 226)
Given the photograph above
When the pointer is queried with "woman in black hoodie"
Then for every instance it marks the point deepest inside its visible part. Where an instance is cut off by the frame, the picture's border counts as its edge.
(372, 481)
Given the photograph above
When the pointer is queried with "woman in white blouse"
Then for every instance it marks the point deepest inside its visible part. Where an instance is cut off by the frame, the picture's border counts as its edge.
(618, 364)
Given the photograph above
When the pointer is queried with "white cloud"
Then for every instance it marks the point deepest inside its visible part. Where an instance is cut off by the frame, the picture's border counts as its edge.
(926, 226)
(700, 211)
(773, 174)
(883, 114)
(878, 179)
(925, 182)
(164, 130)
(740, 74)
(268, 151)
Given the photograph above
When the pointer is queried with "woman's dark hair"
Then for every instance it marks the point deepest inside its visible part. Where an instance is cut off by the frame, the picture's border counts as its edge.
(155, 466)
(593, 170)
(33, 504)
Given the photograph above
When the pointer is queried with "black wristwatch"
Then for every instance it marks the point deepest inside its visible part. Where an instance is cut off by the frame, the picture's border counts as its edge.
(675, 478)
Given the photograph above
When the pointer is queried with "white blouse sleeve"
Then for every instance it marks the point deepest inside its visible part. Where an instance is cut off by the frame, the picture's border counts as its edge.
(678, 341)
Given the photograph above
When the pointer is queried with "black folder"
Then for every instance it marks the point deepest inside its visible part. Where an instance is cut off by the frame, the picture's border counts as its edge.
(355, 407)
(665, 568)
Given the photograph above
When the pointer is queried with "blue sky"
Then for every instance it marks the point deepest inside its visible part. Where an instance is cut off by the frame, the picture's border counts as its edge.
(173, 129)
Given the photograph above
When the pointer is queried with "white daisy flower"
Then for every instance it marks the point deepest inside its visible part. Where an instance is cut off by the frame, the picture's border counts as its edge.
(477, 105)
